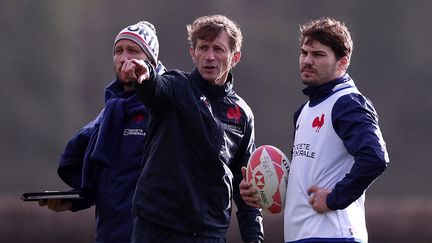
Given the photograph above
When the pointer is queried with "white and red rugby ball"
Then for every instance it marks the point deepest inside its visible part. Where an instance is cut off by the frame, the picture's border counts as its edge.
(267, 171)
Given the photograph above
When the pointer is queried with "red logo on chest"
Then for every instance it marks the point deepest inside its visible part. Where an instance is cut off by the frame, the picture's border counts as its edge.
(139, 118)
(234, 113)
(318, 123)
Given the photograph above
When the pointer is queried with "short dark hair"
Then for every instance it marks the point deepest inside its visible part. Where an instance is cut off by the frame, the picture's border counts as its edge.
(209, 27)
(329, 32)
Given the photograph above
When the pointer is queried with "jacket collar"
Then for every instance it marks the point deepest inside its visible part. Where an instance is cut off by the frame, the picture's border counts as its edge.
(210, 89)
(115, 90)
(319, 93)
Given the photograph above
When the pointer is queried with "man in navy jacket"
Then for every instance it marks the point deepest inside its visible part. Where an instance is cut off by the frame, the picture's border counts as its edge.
(103, 159)
(200, 135)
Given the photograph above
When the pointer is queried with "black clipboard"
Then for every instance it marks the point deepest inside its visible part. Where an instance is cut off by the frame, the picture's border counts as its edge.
(35, 196)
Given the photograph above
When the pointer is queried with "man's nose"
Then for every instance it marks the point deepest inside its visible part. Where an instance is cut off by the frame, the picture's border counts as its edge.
(210, 55)
(307, 59)
(124, 57)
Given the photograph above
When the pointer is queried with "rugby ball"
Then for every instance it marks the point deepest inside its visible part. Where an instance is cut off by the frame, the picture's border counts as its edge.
(267, 171)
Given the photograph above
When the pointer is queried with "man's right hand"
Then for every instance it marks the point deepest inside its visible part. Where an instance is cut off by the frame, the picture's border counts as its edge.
(134, 69)
(57, 205)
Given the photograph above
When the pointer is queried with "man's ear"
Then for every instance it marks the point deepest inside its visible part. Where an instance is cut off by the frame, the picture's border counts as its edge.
(235, 59)
(343, 63)
(192, 53)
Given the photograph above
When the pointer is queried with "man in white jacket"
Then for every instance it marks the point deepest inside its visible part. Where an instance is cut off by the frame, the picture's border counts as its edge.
(338, 148)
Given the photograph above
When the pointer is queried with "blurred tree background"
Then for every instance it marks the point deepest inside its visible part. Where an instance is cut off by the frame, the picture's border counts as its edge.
(56, 61)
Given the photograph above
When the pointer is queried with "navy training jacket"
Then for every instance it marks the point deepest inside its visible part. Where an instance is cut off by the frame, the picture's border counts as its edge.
(104, 160)
(199, 137)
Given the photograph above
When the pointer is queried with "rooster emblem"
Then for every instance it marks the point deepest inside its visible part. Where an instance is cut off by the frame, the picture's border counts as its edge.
(139, 118)
(318, 123)
(234, 113)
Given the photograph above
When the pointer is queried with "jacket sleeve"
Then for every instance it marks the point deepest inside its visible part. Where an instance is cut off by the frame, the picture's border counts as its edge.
(86, 202)
(356, 123)
(72, 161)
(157, 93)
(250, 219)
(295, 118)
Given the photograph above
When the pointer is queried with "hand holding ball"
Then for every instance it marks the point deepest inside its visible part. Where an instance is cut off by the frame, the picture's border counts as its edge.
(267, 170)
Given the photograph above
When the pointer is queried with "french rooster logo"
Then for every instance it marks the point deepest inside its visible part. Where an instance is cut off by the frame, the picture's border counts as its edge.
(139, 118)
(318, 123)
(234, 113)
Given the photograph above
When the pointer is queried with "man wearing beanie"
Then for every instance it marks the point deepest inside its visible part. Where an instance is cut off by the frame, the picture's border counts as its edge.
(200, 135)
(103, 159)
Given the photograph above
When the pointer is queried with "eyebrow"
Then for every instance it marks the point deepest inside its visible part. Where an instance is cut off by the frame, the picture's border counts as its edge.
(314, 52)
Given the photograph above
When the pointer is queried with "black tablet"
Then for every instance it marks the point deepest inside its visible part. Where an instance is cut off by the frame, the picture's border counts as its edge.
(35, 196)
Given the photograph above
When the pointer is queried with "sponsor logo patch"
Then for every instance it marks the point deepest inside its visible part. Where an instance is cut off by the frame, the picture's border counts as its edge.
(134, 132)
